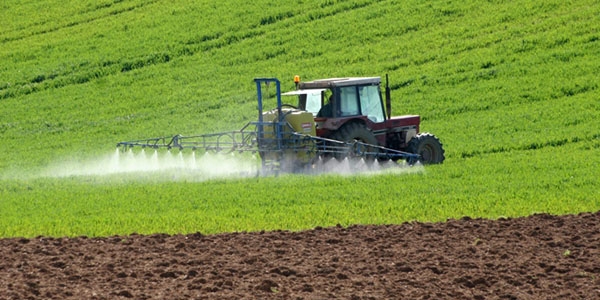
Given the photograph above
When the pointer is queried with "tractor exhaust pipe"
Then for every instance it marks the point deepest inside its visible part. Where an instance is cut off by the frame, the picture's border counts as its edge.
(388, 98)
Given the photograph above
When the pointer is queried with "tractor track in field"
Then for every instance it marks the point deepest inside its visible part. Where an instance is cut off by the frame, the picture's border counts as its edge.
(537, 257)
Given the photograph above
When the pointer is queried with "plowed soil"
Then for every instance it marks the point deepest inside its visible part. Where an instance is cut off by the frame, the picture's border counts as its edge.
(537, 257)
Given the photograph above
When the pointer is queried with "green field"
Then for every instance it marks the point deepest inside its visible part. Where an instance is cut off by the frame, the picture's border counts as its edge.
(510, 88)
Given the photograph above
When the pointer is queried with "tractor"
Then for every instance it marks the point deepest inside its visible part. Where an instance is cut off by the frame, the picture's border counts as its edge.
(337, 118)
(352, 109)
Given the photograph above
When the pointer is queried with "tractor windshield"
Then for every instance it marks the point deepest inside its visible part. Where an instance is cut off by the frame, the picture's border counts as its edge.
(361, 100)
(370, 103)
(309, 100)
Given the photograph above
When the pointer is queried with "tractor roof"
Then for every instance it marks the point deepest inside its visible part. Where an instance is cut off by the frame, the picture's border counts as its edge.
(335, 82)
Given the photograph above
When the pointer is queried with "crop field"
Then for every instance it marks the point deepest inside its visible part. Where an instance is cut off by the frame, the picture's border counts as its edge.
(511, 89)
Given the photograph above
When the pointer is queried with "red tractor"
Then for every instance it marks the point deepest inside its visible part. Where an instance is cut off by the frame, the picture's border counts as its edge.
(352, 109)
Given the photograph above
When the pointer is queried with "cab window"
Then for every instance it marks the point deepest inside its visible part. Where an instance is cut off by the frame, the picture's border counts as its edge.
(313, 102)
(348, 101)
(370, 103)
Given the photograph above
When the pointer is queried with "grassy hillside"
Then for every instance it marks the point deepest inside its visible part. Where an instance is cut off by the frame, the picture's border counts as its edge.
(511, 89)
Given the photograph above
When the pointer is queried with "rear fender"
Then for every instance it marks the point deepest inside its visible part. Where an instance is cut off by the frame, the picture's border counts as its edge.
(412, 121)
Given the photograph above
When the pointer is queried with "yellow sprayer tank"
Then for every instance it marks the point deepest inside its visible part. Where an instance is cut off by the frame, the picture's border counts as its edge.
(301, 121)
(298, 152)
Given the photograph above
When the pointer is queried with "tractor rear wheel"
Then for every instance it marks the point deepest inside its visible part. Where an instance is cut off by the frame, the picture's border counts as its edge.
(429, 147)
(357, 132)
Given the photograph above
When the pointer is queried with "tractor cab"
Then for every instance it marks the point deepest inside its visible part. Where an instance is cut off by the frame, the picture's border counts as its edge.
(337, 101)
(341, 97)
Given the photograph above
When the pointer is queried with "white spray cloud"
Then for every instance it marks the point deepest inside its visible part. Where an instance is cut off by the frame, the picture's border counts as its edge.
(158, 165)
(190, 166)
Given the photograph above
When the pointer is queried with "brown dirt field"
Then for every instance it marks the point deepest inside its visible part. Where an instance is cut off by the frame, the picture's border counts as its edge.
(536, 257)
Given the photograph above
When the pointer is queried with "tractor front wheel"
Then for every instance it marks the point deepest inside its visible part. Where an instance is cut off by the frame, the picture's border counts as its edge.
(429, 147)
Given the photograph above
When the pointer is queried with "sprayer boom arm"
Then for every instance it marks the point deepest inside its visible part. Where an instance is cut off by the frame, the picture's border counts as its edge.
(245, 140)
(240, 140)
